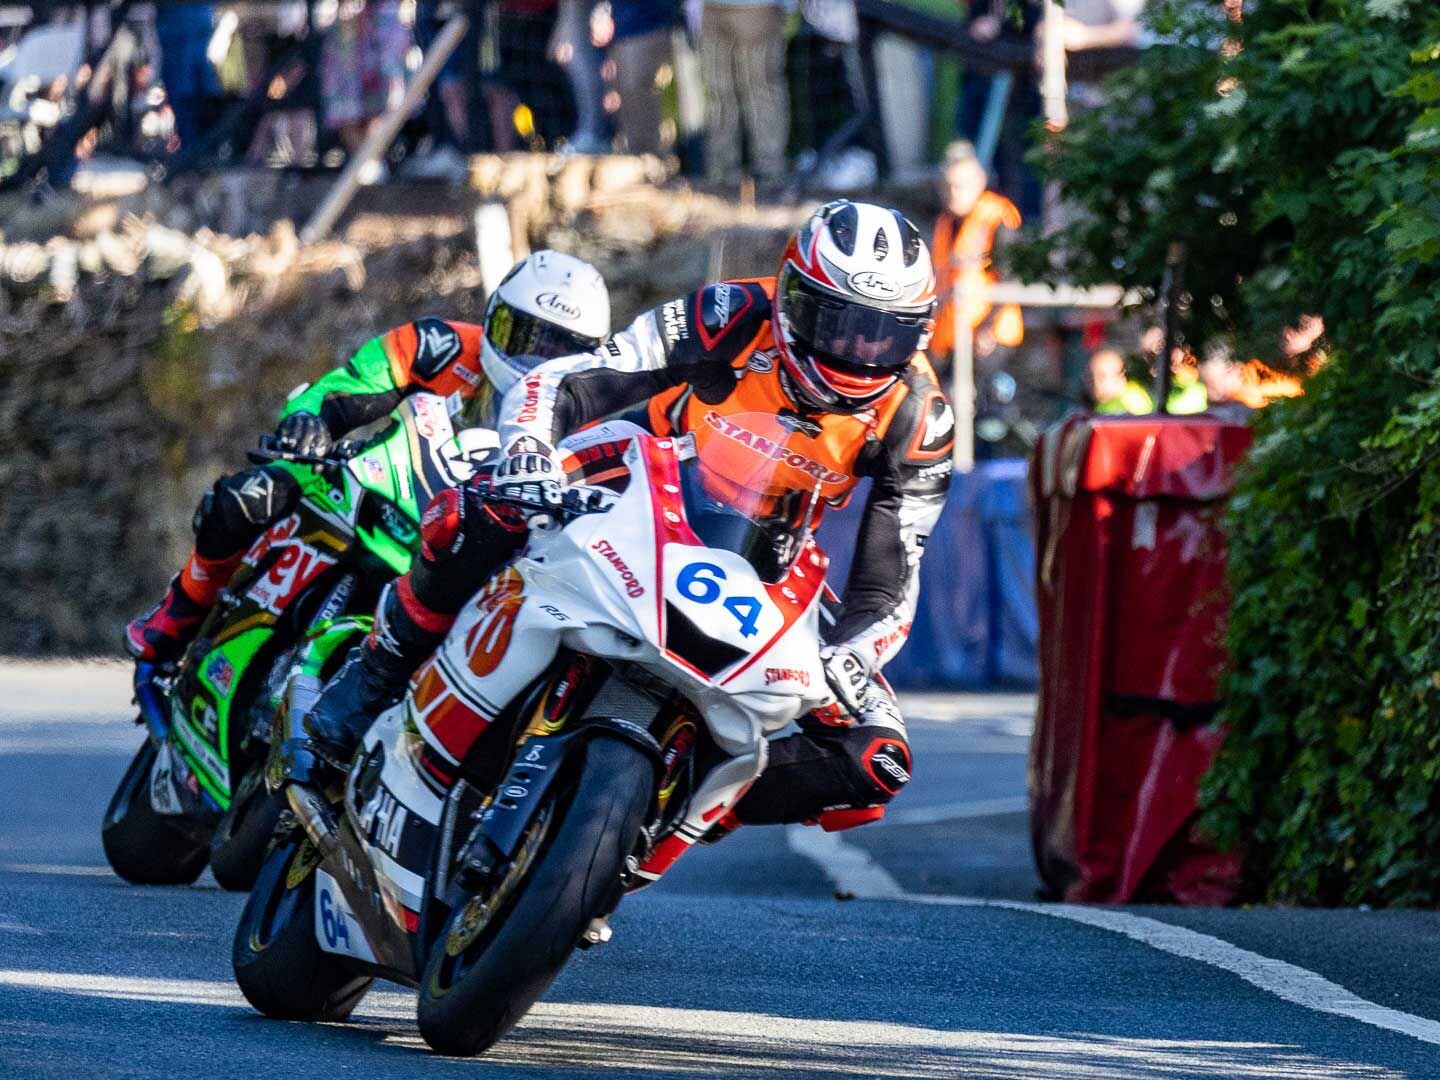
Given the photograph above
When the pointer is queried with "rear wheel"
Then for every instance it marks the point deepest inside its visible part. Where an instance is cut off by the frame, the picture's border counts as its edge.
(497, 954)
(143, 846)
(279, 966)
(237, 849)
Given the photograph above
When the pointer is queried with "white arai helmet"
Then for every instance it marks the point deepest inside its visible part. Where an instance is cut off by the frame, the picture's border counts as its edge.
(548, 305)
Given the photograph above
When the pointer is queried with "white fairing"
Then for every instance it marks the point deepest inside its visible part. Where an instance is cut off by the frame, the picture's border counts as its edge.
(600, 586)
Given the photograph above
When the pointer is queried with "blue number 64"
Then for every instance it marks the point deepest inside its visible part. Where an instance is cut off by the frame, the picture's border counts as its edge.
(700, 582)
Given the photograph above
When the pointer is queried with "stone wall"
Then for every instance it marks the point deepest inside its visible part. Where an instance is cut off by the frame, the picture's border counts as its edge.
(142, 350)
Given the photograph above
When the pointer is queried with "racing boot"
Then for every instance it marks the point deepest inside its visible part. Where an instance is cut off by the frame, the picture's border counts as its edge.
(164, 632)
(372, 678)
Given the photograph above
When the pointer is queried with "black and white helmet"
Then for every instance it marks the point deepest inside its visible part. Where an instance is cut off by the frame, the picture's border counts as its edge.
(854, 302)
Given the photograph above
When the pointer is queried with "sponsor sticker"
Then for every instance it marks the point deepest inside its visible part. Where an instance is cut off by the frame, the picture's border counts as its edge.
(762, 363)
(875, 285)
(722, 304)
(162, 784)
(673, 323)
(791, 675)
(557, 305)
(375, 472)
(294, 571)
(772, 449)
(336, 928)
(633, 588)
(221, 674)
(436, 344)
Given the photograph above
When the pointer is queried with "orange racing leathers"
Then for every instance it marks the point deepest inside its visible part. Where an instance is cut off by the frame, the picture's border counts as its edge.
(702, 358)
(698, 359)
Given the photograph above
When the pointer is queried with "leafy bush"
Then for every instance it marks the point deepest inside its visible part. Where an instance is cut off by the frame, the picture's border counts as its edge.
(1301, 170)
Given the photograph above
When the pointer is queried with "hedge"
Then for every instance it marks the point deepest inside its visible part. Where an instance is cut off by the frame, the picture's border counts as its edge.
(1295, 152)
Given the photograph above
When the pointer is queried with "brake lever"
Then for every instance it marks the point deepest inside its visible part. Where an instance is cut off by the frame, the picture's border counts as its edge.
(266, 452)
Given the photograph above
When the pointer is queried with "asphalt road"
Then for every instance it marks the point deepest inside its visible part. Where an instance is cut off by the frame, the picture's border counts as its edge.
(742, 964)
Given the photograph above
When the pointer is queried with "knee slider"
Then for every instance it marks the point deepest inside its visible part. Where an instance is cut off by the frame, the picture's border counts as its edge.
(884, 761)
(239, 506)
(256, 496)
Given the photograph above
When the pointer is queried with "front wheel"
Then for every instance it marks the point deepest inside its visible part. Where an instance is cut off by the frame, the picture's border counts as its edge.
(279, 966)
(237, 850)
(490, 964)
(142, 845)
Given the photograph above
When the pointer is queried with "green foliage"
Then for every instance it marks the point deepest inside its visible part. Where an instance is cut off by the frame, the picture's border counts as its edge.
(1303, 175)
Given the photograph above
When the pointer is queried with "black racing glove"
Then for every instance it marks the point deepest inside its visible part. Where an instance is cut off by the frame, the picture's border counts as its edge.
(304, 434)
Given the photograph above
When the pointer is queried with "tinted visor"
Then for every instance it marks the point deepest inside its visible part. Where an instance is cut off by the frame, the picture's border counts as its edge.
(518, 333)
(845, 334)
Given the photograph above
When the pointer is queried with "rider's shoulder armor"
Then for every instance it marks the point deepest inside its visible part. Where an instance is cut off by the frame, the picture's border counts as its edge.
(918, 435)
(438, 355)
(714, 325)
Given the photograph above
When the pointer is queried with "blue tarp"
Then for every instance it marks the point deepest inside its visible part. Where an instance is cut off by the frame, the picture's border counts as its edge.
(976, 626)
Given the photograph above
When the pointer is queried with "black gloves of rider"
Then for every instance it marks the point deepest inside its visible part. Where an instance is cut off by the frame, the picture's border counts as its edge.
(304, 434)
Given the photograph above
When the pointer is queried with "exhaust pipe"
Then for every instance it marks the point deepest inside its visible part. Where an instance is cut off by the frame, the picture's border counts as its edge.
(314, 815)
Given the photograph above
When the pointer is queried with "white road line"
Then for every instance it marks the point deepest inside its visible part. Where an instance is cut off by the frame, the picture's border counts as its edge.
(853, 871)
(957, 811)
(618, 1035)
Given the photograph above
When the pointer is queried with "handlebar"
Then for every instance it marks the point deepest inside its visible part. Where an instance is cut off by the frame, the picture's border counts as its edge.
(575, 502)
(341, 453)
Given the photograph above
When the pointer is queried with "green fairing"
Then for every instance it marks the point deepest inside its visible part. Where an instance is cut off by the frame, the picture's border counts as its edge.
(388, 541)
(328, 637)
(368, 372)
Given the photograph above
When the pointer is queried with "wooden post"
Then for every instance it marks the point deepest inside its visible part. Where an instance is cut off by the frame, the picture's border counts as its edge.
(1170, 290)
(1052, 79)
(339, 196)
(962, 381)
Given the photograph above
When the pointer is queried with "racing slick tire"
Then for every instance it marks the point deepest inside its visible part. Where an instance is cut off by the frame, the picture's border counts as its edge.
(470, 1000)
(240, 841)
(142, 845)
(279, 966)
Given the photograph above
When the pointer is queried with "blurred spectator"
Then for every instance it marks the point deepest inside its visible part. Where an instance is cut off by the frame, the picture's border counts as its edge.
(962, 246)
(1114, 393)
(1099, 24)
(532, 99)
(448, 108)
(184, 31)
(1300, 339)
(742, 57)
(575, 52)
(1225, 385)
(641, 49)
(1010, 22)
(362, 72)
(905, 77)
(1187, 393)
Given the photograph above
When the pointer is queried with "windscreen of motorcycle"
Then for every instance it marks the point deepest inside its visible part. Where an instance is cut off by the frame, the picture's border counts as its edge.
(755, 486)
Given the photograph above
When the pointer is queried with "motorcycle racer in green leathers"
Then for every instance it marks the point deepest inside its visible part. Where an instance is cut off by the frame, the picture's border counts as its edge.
(549, 305)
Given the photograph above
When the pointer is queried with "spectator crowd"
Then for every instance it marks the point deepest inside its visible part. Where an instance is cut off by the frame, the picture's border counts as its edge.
(830, 95)
(778, 90)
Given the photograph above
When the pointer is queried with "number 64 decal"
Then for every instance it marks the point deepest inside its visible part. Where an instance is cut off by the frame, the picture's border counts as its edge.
(700, 582)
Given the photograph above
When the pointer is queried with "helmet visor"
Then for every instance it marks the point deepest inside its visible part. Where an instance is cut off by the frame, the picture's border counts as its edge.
(514, 332)
(846, 334)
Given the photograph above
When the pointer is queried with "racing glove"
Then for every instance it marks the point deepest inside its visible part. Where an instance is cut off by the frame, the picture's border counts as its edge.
(529, 472)
(848, 676)
(304, 434)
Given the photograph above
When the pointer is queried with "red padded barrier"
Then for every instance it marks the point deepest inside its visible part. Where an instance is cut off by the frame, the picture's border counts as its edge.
(1130, 566)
